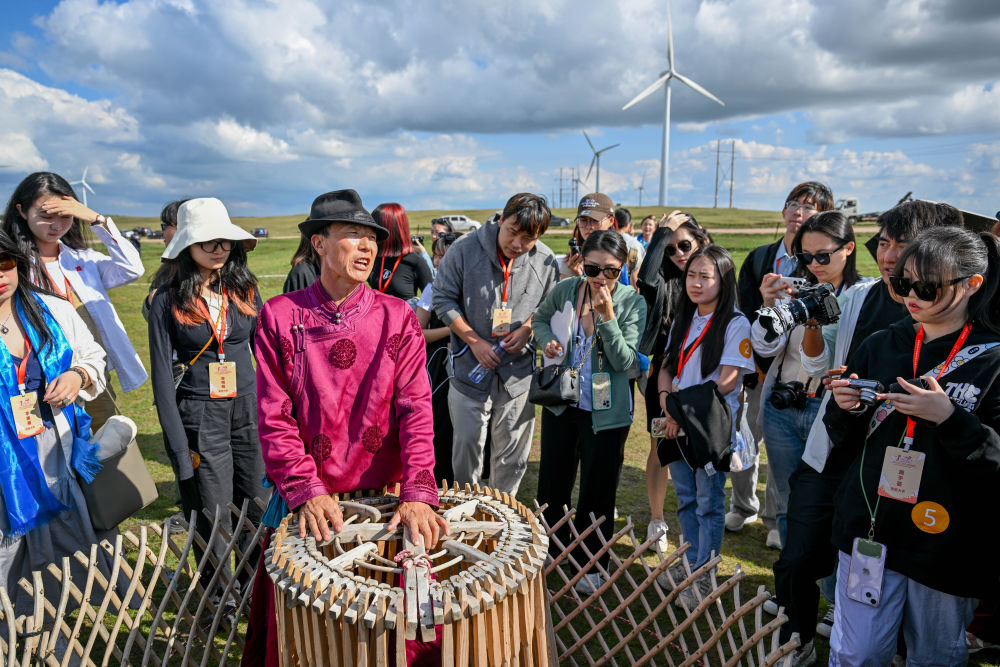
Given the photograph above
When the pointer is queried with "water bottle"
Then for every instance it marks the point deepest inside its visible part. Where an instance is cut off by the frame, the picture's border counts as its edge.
(478, 374)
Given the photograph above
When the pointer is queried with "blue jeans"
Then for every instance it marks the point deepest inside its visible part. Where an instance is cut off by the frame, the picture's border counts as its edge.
(701, 509)
(933, 624)
(785, 435)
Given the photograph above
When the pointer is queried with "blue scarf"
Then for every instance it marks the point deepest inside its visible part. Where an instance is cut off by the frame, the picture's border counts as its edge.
(28, 500)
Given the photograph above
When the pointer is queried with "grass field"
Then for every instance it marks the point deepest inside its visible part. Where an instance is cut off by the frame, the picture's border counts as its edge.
(270, 261)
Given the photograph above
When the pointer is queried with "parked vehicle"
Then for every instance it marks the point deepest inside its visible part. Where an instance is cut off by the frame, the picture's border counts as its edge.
(461, 223)
(559, 221)
(141, 231)
(155, 234)
(851, 208)
(260, 232)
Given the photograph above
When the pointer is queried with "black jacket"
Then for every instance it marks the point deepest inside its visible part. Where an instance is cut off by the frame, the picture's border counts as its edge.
(961, 470)
(704, 416)
(757, 264)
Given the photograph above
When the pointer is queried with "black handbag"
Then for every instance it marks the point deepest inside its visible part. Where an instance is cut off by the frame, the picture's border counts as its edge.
(557, 385)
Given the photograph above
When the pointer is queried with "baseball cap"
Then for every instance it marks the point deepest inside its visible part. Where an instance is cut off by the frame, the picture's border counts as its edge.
(596, 205)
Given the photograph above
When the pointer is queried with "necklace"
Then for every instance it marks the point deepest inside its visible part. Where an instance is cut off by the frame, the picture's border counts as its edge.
(4, 329)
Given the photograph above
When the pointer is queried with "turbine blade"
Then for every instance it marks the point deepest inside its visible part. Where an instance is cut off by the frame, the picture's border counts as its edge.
(649, 91)
(608, 148)
(592, 161)
(87, 185)
(589, 141)
(670, 41)
(698, 88)
(84, 177)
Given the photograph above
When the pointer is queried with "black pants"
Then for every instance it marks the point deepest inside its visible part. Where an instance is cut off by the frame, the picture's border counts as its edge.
(223, 432)
(808, 554)
(567, 440)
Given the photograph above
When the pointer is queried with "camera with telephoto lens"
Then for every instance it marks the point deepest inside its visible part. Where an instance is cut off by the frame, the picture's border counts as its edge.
(813, 302)
(786, 395)
(867, 389)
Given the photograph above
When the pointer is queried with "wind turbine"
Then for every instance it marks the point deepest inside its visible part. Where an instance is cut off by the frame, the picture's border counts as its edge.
(642, 186)
(596, 160)
(85, 184)
(664, 80)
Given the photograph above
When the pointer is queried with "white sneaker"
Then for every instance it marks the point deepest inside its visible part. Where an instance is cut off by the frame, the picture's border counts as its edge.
(589, 583)
(771, 606)
(658, 526)
(825, 627)
(773, 539)
(736, 521)
(804, 655)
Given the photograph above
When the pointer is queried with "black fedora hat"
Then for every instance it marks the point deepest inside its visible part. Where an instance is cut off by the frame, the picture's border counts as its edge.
(340, 206)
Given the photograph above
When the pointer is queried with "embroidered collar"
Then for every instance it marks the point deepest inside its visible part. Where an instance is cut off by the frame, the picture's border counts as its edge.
(347, 308)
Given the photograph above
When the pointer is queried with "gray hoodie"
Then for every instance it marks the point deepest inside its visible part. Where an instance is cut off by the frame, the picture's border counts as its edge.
(469, 283)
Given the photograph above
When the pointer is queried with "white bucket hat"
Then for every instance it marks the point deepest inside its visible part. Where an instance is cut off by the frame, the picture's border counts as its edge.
(204, 219)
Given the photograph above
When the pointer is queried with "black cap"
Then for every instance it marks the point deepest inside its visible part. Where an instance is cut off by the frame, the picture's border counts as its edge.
(340, 206)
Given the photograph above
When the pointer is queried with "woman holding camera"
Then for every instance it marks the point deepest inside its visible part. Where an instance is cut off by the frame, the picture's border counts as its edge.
(912, 515)
(399, 271)
(661, 283)
(607, 318)
(824, 247)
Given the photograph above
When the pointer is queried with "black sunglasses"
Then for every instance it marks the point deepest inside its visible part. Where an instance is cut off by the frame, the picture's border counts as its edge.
(924, 289)
(7, 263)
(683, 246)
(610, 272)
(164, 225)
(822, 258)
(212, 246)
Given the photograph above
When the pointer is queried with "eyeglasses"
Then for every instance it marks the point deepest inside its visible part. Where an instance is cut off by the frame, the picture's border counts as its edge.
(925, 290)
(593, 270)
(164, 225)
(7, 263)
(795, 206)
(683, 246)
(589, 222)
(821, 258)
(211, 246)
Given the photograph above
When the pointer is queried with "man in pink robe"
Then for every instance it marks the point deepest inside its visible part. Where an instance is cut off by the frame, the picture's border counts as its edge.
(343, 397)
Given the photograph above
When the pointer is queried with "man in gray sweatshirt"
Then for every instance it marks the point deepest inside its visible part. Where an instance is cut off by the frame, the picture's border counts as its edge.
(487, 287)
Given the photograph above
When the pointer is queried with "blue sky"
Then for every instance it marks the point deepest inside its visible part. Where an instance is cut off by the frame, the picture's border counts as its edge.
(458, 105)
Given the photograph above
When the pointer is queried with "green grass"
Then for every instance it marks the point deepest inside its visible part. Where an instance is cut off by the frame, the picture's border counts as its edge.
(270, 261)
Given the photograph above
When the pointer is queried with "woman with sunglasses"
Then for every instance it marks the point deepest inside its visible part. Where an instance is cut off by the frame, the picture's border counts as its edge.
(661, 284)
(824, 248)
(926, 459)
(49, 224)
(49, 365)
(206, 315)
(600, 341)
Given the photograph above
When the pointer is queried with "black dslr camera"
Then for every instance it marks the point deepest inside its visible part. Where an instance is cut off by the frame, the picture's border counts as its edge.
(813, 302)
(416, 238)
(786, 395)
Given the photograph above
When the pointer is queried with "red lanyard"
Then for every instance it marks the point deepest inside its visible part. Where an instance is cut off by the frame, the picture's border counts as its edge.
(52, 280)
(219, 329)
(684, 359)
(381, 272)
(507, 268)
(917, 344)
(22, 369)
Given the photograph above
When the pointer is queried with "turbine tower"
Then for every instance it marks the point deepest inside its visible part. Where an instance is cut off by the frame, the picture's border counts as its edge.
(596, 160)
(664, 80)
(85, 184)
(642, 186)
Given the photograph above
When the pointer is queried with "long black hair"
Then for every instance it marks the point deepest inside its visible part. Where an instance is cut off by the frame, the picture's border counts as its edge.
(27, 291)
(234, 277)
(15, 225)
(833, 224)
(715, 339)
(945, 253)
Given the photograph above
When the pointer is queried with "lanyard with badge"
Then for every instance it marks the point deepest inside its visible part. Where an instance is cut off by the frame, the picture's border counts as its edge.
(502, 316)
(27, 416)
(899, 479)
(384, 280)
(221, 374)
(684, 358)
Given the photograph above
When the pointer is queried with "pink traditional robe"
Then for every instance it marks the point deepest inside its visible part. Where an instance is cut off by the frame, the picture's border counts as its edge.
(343, 396)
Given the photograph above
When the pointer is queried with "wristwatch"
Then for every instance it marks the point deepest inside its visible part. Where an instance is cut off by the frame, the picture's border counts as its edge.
(99, 220)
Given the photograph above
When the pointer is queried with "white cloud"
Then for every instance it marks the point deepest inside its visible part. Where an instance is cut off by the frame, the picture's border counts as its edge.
(242, 143)
(18, 153)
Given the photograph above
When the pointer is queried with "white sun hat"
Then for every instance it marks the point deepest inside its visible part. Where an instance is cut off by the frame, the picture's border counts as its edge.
(204, 219)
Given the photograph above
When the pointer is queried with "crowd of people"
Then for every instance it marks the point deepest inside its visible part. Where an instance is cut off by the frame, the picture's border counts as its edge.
(383, 362)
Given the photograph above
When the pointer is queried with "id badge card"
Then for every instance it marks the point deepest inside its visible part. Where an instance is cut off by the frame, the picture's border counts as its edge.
(222, 379)
(27, 416)
(864, 578)
(501, 321)
(658, 427)
(900, 476)
(600, 384)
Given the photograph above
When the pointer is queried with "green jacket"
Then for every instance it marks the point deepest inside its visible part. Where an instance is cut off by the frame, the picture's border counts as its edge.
(620, 337)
